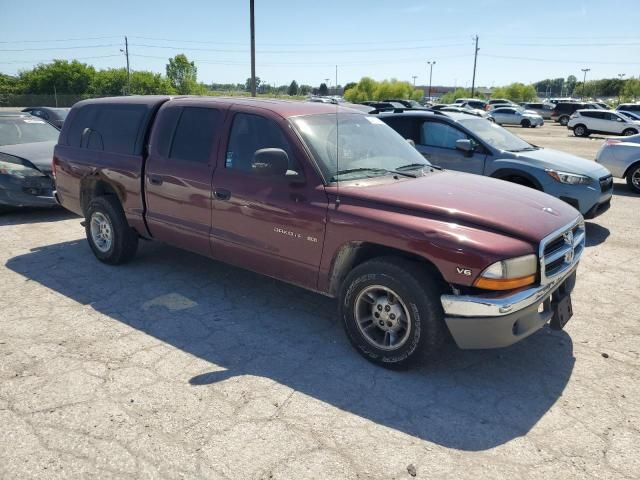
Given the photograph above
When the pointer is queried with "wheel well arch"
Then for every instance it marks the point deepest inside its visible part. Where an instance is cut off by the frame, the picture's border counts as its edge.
(631, 167)
(352, 254)
(509, 174)
(95, 186)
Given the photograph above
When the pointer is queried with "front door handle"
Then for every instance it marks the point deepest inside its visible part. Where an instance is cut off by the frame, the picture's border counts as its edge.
(155, 180)
(222, 194)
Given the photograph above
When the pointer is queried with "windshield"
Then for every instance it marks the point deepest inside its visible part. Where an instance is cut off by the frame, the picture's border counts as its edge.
(16, 130)
(367, 147)
(495, 135)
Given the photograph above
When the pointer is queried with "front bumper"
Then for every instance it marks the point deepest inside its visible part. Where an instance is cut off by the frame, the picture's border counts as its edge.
(29, 192)
(499, 320)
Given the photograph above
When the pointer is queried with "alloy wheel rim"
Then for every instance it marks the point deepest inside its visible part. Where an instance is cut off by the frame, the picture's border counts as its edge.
(382, 317)
(635, 178)
(101, 232)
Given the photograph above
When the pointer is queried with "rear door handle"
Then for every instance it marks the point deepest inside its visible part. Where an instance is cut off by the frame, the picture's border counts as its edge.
(155, 180)
(222, 194)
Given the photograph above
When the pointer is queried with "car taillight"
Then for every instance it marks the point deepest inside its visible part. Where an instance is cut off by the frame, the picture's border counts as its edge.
(612, 141)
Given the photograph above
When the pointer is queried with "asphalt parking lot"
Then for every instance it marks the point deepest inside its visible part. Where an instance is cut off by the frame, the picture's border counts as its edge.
(175, 366)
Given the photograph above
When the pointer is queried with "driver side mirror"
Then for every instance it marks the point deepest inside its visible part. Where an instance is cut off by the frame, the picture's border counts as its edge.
(270, 162)
(465, 145)
(411, 142)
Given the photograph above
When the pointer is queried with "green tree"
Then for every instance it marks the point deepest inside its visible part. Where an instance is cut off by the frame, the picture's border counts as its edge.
(349, 86)
(369, 89)
(61, 75)
(323, 89)
(631, 89)
(571, 85)
(182, 74)
(305, 89)
(9, 84)
(293, 88)
(450, 97)
(247, 84)
(516, 92)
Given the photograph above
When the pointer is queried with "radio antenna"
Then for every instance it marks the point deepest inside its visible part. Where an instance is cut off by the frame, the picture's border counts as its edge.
(337, 144)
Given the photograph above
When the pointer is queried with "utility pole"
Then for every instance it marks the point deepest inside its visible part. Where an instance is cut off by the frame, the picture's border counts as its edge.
(620, 76)
(327, 82)
(475, 62)
(431, 64)
(414, 80)
(584, 80)
(253, 50)
(126, 53)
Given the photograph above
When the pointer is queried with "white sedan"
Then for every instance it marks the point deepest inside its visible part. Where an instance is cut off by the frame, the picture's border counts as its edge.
(516, 116)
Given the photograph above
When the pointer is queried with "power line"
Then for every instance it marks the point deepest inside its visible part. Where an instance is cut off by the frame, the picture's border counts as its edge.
(59, 40)
(58, 48)
(52, 59)
(625, 62)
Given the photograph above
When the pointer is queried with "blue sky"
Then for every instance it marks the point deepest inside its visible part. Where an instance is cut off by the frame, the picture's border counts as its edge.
(519, 41)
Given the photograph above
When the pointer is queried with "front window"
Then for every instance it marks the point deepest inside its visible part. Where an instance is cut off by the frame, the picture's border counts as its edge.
(352, 146)
(17, 130)
(495, 135)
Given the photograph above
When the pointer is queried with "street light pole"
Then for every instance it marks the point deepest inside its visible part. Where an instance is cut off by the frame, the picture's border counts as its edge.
(414, 80)
(620, 76)
(431, 64)
(253, 49)
(584, 80)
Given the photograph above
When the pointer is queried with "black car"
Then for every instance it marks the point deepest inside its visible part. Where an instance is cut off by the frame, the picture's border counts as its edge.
(26, 152)
(55, 116)
(407, 103)
(563, 110)
(384, 105)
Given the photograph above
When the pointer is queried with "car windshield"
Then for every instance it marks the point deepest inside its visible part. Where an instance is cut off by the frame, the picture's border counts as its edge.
(366, 146)
(16, 130)
(495, 135)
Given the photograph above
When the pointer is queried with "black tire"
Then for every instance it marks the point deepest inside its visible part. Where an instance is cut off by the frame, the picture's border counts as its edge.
(629, 131)
(564, 120)
(633, 178)
(416, 290)
(580, 131)
(124, 240)
(525, 124)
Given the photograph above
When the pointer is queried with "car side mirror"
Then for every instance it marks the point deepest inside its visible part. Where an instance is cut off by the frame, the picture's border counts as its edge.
(411, 142)
(465, 145)
(270, 162)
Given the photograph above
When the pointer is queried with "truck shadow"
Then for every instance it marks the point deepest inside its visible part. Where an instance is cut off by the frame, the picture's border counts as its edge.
(247, 324)
(596, 234)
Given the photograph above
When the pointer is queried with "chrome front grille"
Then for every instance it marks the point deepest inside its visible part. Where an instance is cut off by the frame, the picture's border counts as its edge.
(561, 250)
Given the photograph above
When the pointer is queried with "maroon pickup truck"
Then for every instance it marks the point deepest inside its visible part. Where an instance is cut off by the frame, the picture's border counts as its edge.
(329, 199)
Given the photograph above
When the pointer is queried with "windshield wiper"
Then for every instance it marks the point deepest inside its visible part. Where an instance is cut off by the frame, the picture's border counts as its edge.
(413, 166)
(371, 169)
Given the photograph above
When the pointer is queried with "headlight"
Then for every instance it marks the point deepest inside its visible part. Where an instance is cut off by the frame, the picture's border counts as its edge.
(569, 178)
(10, 165)
(509, 274)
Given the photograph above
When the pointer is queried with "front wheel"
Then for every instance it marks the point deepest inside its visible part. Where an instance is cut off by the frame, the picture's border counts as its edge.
(391, 311)
(580, 131)
(525, 123)
(633, 178)
(563, 121)
(629, 131)
(110, 237)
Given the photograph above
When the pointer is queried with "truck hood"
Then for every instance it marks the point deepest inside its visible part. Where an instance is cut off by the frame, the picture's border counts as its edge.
(39, 153)
(471, 200)
(548, 158)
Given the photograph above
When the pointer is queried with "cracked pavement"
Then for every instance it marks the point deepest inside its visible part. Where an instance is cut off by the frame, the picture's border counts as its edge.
(175, 366)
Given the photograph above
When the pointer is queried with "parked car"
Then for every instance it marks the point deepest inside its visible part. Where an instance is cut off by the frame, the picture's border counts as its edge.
(629, 107)
(383, 105)
(585, 122)
(622, 158)
(474, 103)
(629, 115)
(26, 149)
(407, 103)
(499, 101)
(337, 203)
(473, 145)
(55, 116)
(563, 111)
(516, 116)
(542, 109)
(476, 112)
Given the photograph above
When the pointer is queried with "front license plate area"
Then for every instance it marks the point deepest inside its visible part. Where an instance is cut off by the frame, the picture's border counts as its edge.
(562, 312)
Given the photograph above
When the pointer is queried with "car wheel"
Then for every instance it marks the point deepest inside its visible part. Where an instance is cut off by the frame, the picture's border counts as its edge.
(110, 237)
(580, 131)
(629, 131)
(525, 123)
(564, 121)
(391, 311)
(633, 178)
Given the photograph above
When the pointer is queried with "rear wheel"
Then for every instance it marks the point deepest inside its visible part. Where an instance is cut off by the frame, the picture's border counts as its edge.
(110, 237)
(633, 178)
(564, 120)
(629, 131)
(390, 308)
(525, 123)
(580, 131)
